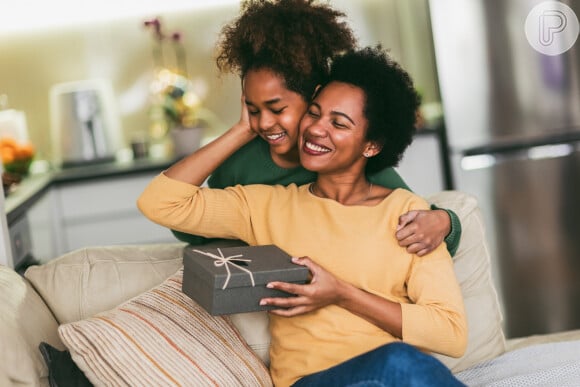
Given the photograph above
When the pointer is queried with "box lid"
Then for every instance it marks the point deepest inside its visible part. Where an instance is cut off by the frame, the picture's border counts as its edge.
(232, 267)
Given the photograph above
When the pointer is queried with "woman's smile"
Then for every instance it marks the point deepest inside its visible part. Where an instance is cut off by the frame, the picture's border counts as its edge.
(314, 149)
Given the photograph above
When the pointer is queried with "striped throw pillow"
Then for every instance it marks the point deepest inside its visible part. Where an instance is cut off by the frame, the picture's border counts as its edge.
(162, 337)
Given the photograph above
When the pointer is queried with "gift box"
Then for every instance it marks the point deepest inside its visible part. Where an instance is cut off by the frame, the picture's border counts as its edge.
(233, 279)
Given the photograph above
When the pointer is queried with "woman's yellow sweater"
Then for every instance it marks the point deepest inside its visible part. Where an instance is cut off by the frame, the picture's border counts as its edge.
(354, 243)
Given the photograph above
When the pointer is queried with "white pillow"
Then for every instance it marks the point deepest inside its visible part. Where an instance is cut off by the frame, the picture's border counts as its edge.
(87, 281)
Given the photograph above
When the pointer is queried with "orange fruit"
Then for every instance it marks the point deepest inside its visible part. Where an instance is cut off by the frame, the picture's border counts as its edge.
(8, 142)
(7, 154)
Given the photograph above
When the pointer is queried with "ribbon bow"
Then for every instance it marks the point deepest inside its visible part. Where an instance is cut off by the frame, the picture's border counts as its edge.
(226, 261)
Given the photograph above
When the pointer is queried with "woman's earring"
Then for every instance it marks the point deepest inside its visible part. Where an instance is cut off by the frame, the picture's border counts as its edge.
(367, 155)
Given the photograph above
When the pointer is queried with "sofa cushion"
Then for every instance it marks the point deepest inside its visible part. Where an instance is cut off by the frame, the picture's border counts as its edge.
(254, 328)
(162, 337)
(25, 321)
(84, 282)
(473, 270)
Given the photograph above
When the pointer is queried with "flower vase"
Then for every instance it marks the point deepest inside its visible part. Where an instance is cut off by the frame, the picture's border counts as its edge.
(186, 140)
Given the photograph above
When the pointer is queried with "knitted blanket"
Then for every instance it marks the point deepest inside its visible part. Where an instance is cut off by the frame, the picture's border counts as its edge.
(550, 364)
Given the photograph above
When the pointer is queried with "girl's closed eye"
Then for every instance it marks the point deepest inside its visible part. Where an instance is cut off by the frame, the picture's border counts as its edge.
(278, 111)
(312, 112)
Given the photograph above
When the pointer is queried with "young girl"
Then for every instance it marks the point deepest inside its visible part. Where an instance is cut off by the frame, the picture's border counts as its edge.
(366, 291)
(281, 50)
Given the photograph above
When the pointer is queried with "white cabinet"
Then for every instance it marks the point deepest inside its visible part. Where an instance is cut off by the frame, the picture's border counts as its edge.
(104, 212)
(43, 220)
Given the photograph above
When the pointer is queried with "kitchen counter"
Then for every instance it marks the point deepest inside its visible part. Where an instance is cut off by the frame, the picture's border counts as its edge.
(33, 187)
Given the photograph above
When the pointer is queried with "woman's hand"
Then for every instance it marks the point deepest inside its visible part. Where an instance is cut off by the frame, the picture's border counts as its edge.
(421, 231)
(323, 290)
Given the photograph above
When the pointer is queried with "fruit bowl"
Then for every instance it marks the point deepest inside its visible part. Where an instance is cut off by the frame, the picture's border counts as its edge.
(16, 160)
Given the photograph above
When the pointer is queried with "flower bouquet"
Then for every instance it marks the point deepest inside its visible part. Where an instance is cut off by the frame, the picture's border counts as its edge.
(174, 105)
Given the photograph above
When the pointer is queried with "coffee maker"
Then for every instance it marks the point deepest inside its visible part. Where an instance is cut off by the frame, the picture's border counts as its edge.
(84, 125)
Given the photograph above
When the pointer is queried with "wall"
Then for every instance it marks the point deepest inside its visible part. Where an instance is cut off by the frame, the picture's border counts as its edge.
(117, 47)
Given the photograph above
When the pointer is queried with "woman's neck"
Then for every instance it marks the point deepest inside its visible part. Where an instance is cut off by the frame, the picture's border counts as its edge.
(346, 191)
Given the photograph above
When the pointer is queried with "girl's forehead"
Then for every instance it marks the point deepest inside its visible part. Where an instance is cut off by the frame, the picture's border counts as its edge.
(264, 85)
(261, 75)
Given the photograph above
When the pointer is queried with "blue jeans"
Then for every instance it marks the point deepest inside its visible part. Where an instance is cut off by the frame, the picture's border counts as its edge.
(396, 364)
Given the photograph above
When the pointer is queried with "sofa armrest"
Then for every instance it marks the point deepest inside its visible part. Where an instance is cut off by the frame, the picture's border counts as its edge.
(522, 342)
(25, 321)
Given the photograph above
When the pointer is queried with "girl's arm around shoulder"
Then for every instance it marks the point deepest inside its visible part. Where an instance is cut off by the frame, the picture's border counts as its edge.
(422, 230)
(454, 235)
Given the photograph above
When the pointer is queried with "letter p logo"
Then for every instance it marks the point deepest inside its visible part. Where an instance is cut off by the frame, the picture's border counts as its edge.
(551, 23)
(552, 28)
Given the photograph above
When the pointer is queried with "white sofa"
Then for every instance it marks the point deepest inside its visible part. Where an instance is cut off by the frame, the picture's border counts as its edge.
(81, 284)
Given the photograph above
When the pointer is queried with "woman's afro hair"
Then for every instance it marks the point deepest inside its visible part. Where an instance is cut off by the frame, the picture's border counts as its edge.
(391, 101)
(293, 38)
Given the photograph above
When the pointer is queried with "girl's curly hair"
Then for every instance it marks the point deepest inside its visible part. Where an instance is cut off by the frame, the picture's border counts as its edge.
(293, 38)
(391, 101)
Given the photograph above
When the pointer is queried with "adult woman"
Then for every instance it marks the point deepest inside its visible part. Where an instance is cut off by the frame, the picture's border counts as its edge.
(366, 291)
(281, 51)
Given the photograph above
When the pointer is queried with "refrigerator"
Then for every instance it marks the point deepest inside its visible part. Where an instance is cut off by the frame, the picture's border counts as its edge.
(509, 78)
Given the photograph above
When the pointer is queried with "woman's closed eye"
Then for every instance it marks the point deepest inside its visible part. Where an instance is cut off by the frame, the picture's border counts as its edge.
(339, 124)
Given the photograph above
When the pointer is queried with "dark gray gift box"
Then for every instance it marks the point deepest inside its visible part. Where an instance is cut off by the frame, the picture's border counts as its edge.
(233, 279)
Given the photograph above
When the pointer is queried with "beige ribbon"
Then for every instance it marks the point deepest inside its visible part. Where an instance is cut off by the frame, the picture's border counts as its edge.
(225, 261)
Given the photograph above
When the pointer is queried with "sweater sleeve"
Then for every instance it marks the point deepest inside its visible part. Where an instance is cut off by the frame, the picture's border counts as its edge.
(436, 317)
(200, 211)
(222, 177)
(452, 239)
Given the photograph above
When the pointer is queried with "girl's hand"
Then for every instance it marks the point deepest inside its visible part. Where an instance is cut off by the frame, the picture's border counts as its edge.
(323, 289)
(421, 231)
(243, 125)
